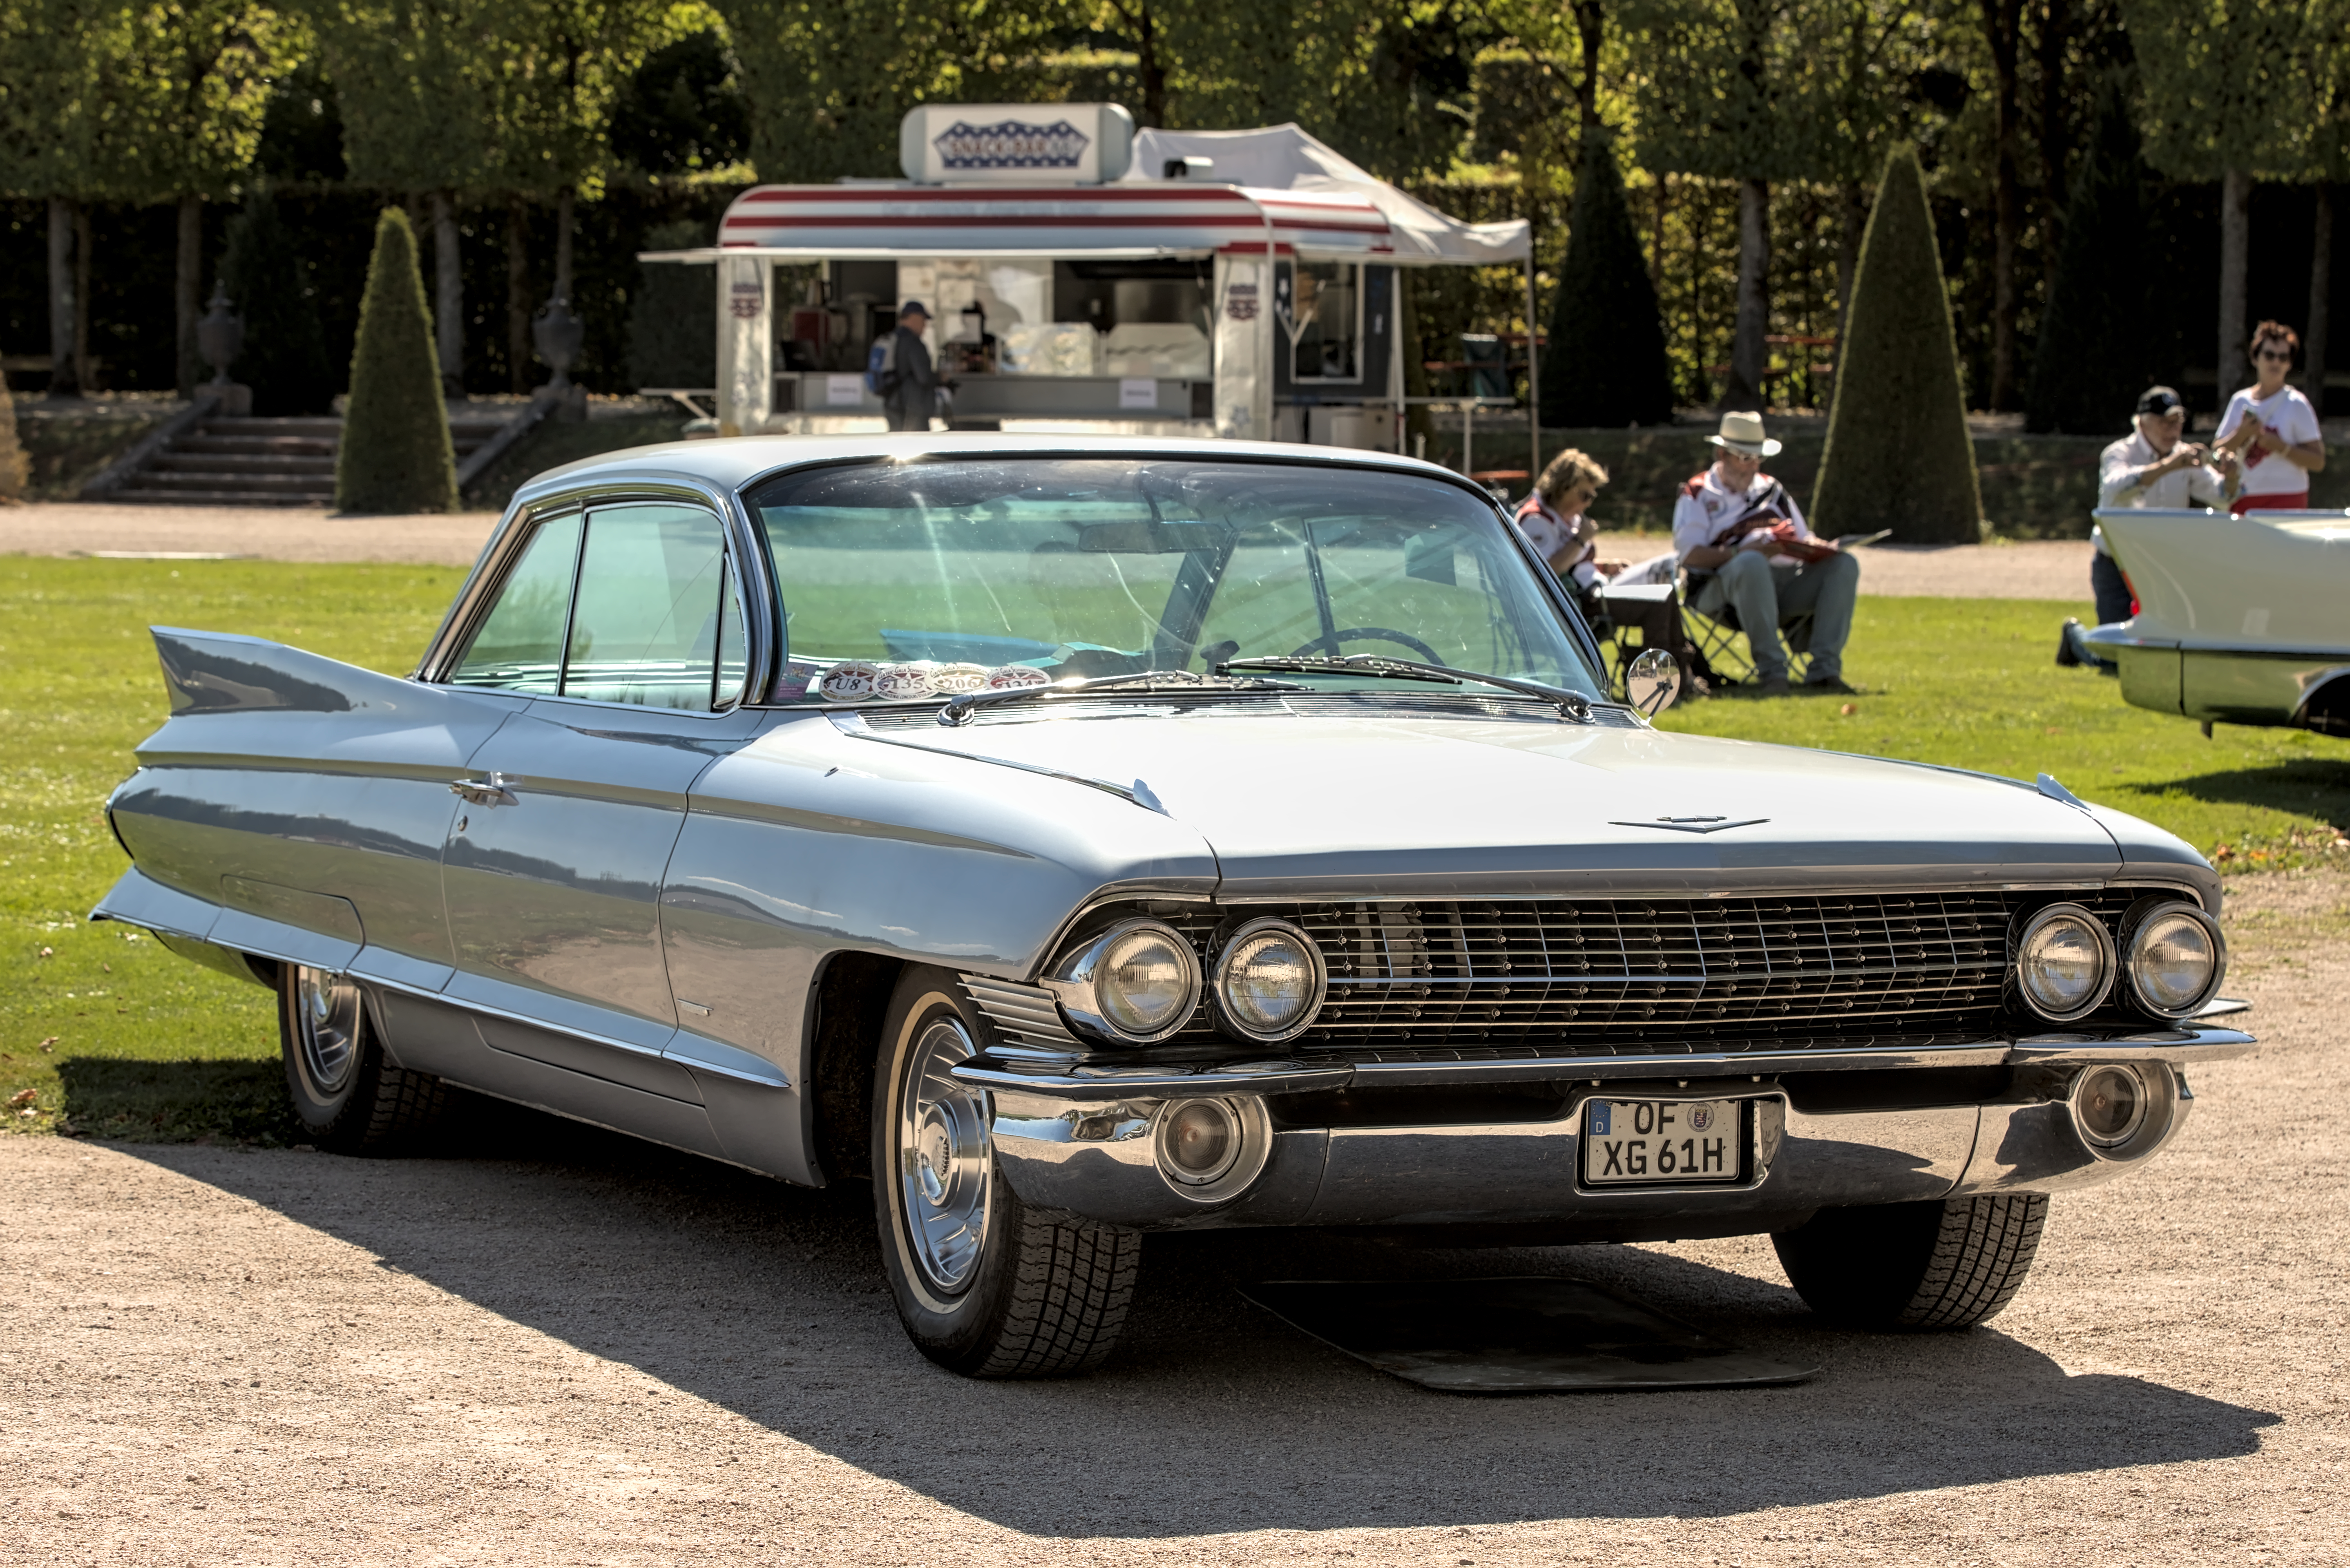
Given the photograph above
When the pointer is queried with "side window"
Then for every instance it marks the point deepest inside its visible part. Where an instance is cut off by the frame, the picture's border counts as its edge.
(646, 621)
(519, 647)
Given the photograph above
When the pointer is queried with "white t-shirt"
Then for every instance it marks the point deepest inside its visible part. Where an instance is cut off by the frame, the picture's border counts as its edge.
(1550, 533)
(1705, 510)
(2287, 416)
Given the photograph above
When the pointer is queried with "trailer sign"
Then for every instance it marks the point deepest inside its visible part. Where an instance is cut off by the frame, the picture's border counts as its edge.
(1010, 144)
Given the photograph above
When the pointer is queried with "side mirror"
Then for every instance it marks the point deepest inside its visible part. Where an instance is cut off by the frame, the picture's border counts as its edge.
(1653, 682)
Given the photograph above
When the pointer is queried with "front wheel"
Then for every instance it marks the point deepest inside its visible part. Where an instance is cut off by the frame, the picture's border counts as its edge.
(985, 1286)
(348, 1098)
(1914, 1266)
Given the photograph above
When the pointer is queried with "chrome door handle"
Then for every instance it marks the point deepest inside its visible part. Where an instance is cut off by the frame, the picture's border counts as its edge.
(495, 790)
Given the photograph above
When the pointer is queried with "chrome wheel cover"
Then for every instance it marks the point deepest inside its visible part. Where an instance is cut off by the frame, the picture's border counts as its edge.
(944, 1161)
(326, 1029)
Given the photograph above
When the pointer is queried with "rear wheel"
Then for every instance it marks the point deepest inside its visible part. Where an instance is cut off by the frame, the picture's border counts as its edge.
(985, 1286)
(1914, 1266)
(347, 1097)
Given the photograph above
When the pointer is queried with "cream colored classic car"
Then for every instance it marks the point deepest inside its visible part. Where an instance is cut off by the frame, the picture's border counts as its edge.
(2241, 621)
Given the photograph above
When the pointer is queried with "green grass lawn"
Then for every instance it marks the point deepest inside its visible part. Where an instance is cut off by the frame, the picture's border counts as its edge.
(97, 1020)
(109, 1034)
(1973, 683)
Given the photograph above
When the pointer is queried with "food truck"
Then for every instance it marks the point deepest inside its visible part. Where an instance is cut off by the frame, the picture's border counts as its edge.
(1086, 275)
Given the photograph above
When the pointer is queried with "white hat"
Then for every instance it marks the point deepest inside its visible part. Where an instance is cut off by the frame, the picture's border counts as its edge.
(1743, 433)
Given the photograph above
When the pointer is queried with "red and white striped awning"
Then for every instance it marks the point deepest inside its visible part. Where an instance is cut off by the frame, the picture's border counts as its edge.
(1157, 218)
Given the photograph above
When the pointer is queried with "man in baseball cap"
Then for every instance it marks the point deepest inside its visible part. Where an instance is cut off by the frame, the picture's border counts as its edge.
(2152, 466)
(909, 391)
(1754, 565)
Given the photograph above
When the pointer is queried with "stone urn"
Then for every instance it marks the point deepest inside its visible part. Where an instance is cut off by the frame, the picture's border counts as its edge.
(559, 335)
(220, 336)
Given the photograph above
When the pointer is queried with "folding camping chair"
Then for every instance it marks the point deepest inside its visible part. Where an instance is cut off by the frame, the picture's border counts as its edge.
(1626, 601)
(1721, 643)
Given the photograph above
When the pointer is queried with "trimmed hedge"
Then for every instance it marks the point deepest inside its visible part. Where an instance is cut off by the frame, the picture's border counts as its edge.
(1897, 454)
(1605, 364)
(267, 280)
(395, 453)
(14, 468)
(2092, 362)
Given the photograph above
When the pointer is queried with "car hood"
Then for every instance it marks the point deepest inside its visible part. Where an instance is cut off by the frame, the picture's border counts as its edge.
(1413, 806)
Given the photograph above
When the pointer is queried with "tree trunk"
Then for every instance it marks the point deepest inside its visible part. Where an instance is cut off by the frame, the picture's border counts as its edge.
(1591, 32)
(2235, 235)
(447, 297)
(2002, 21)
(1748, 352)
(563, 243)
(89, 378)
(2056, 143)
(188, 293)
(1150, 69)
(517, 293)
(2321, 298)
(65, 370)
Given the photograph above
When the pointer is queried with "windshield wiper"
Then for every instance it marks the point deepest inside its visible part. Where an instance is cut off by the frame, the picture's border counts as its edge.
(958, 709)
(1571, 705)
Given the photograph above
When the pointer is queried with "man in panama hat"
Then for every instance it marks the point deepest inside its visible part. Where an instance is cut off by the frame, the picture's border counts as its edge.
(1753, 562)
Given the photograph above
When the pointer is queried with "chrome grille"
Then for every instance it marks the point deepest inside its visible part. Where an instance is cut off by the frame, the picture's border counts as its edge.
(1633, 970)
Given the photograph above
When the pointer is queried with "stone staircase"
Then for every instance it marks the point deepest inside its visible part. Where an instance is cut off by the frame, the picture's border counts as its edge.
(225, 462)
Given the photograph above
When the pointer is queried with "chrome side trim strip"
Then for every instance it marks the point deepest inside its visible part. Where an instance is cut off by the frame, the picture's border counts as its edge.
(1127, 1082)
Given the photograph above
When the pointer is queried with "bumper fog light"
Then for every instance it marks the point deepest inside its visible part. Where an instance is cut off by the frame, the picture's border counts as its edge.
(1199, 1140)
(2110, 1104)
(1210, 1151)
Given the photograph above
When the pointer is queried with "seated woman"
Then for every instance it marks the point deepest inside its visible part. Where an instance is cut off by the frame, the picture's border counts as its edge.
(1555, 521)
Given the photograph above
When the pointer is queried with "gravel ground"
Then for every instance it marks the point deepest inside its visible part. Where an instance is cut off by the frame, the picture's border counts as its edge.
(553, 1345)
(269, 532)
(2035, 569)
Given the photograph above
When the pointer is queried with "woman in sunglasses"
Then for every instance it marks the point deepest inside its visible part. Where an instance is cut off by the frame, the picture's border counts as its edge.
(2272, 429)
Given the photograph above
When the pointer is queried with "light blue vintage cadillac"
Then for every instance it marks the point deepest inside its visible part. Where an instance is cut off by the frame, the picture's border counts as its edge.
(1080, 838)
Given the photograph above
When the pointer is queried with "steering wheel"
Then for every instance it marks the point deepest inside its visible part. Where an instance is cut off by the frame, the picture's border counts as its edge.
(1370, 634)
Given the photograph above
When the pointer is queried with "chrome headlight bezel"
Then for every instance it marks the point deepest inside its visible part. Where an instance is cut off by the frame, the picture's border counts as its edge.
(2141, 921)
(1077, 979)
(2030, 928)
(1233, 946)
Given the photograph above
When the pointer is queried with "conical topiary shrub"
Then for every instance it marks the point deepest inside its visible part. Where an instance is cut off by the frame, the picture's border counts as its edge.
(2092, 360)
(1606, 363)
(1899, 455)
(265, 277)
(395, 454)
(12, 466)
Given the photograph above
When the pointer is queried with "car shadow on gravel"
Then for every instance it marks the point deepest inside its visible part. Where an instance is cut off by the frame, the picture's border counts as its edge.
(766, 1300)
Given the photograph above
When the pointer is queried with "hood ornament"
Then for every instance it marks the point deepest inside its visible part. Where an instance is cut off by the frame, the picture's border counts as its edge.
(1692, 824)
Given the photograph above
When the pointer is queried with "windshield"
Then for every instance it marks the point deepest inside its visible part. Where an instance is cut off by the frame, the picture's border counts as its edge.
(913, 581)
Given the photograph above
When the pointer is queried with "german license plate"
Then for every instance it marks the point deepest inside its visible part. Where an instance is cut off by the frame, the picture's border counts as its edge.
(1670, 1142)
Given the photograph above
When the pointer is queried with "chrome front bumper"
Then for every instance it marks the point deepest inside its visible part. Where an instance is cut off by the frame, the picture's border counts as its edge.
(1082, 1144)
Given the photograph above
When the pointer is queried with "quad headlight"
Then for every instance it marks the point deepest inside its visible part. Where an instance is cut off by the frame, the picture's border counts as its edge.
(1137, 982)
(1269, 981)
(2173, 958)
(2064, 963)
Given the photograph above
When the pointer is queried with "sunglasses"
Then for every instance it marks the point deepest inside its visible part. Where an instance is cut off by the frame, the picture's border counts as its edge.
(2285, 354)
